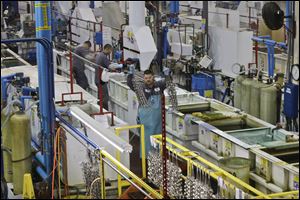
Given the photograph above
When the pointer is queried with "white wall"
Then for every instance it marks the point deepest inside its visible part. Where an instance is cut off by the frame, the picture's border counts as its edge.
(228, 47)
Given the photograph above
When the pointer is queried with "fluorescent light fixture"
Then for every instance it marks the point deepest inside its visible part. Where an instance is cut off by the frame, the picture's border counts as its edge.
(105, 134)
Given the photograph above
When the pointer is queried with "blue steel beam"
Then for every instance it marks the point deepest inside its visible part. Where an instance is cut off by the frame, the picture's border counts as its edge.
(174, 11)
(46, 79)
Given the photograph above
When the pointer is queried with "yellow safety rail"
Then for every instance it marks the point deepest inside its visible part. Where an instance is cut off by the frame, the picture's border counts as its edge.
(187, 155)
(118, 156)
(130, 174)
(286, 195)
(104, 156)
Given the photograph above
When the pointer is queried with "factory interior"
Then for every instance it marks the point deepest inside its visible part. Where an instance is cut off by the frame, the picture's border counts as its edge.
(149, 99)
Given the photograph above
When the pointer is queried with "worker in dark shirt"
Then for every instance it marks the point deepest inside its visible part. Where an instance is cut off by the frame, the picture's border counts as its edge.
(102, 59)
(149, 115)
(78, 69)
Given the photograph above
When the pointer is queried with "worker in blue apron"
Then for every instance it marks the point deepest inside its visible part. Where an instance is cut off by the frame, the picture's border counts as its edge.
(150, 115)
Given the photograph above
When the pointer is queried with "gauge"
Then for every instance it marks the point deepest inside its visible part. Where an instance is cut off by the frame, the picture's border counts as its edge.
(295, 72)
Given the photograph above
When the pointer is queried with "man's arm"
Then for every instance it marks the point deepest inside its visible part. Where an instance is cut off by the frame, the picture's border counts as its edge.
(130, 82)
(162, 84)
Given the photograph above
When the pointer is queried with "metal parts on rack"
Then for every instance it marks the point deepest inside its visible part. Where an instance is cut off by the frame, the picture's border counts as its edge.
(174, 174)
(155, 168)
(198, 188)
(91, 174)
(172, 92)
(138, 83)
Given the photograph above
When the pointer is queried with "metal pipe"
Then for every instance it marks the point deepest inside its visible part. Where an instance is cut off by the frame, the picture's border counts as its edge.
(46, 78)
(227, 20)
(81, 135)
(40, 158)
(249, 17)
(287, 24)
(41, 172)
(71, 72)
(27, 90)
(164, 146)
(256, 45)
(23, 101)
(70, 17)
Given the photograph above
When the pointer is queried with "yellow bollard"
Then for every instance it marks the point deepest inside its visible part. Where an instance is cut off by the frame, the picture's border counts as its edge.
(28, 191)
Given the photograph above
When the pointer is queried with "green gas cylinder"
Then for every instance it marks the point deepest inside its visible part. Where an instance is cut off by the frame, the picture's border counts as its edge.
(246, 94)
(6, 145)
(21, 149)
(255, 98)
(237, 90)
(268, 104)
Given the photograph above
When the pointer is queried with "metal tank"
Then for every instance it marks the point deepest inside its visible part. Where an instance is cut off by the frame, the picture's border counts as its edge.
(255, 98)
(237, 90)
(268, 104)
(246, 94)
(6, 145)
(21, 149)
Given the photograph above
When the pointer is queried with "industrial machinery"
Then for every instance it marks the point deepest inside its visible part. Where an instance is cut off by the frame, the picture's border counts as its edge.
(59, 142)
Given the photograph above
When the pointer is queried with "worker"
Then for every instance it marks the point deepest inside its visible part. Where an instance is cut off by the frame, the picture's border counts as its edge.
(102, 59)
(151, 115)
(78, 70)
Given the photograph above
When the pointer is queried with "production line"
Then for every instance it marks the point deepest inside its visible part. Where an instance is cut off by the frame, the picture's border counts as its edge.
(133, 100)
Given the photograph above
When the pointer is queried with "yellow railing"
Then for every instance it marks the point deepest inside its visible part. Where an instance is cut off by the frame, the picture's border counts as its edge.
(286, 195)
(105, 158)
(153, 193)
(215, 171)
(187, 155)
(118, 156)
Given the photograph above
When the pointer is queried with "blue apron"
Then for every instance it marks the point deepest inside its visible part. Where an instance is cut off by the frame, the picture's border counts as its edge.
(151, 118)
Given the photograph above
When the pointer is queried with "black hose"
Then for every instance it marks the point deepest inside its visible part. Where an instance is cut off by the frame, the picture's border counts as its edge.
(4, 188)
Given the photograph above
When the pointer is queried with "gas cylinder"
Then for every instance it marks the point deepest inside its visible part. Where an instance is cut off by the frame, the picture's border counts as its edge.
(6, 143)
(255, 98)
(268, 104)
(21, 149)
(246, 94)
(237, 90)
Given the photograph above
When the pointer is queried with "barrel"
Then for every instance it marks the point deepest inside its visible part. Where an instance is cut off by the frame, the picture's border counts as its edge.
(268, 104)
(6, 143)
(237, 90)
(255, 98)
(21, 149)
(237, 166)
(246, 94)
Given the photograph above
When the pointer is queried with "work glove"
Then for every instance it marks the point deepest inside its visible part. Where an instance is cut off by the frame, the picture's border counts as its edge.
(131, 69)
(116, 66)
(166, 71)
